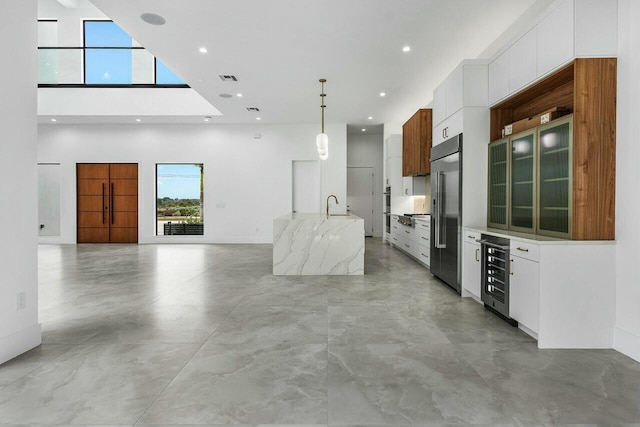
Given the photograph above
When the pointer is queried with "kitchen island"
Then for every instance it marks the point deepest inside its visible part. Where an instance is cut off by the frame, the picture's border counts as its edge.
(318, 244)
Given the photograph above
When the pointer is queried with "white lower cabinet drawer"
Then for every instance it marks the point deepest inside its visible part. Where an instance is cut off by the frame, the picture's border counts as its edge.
(423, 254)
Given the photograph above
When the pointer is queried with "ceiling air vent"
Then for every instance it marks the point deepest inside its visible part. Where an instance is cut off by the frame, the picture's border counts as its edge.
(228, 78)
(252, 109)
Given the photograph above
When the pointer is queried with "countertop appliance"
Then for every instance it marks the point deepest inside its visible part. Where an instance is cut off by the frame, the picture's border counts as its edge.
(446, 211)
(495, 275)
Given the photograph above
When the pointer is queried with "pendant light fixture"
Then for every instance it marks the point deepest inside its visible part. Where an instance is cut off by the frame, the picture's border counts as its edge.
(322, 140)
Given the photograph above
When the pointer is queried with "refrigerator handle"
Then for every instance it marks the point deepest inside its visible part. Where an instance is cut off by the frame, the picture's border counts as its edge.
(441, 241)
(436, 211)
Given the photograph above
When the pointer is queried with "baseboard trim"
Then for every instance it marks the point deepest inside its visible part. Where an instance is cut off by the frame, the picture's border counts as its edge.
(20, 342)
(626, 343)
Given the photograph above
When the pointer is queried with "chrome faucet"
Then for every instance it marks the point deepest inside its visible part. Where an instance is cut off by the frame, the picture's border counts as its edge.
(330, 196)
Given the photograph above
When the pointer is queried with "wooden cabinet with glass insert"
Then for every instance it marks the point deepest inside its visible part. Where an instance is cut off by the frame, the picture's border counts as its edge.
(498, 184)
(522, 183)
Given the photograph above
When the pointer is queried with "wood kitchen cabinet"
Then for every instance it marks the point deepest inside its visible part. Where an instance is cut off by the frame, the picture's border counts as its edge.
(566, 188)
(416, 144)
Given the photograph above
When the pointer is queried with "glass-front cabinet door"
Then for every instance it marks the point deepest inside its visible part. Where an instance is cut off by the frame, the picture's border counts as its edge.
(498, 183)
(522, 185)
(554, 199)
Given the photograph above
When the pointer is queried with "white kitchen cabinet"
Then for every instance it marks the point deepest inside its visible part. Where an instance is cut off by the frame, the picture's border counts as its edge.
(393, 146)
(471, 264)
(414, 241)
(394, 176)
(439, 111)
(466, 86)
(524, 290)
(499, 77)
(603, 16)
(570, 29)
(561, 290)
(555, 38)
(413, 186)
(449, 128)
(522, 61)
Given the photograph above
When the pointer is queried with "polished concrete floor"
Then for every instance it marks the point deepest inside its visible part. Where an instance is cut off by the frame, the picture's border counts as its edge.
(204, 334)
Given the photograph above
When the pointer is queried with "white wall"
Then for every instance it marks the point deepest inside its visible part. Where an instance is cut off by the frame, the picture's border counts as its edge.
(627, 331)
(366, 150)
(19, 329)
(248, 181)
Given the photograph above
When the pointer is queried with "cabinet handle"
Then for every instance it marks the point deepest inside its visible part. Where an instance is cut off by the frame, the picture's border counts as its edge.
(444, 133)
(423, 238)
(407, 246)
(477, 255)
(471, 237)
(523, 249)
(407, 231)
(426, 256)
(511, 267)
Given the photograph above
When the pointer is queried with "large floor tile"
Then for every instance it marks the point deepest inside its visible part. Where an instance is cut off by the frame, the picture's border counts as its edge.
(263, 384)
(94, 384)
(382, 384)
(30, 361)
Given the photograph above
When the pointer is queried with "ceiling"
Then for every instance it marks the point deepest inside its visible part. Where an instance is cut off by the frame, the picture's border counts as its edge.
(279, 49)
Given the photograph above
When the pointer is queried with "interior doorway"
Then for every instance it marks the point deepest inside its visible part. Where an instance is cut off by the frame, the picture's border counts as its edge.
(360, 195)
(107, 202)
(306, 186)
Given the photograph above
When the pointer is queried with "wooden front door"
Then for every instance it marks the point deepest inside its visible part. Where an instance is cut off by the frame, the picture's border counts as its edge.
(107, 202)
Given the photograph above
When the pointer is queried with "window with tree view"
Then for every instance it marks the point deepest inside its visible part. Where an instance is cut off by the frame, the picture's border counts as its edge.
(179, 199)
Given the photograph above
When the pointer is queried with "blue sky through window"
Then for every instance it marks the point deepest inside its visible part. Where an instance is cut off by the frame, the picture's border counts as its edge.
(164, 76)
(178, 181)
(114, 66)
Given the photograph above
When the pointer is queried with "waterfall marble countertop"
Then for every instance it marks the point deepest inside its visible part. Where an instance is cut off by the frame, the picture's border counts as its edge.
(317, 244)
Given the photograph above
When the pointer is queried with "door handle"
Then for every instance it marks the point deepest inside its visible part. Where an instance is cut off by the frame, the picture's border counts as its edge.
(103, 206)
(477, 253)
(112, 199)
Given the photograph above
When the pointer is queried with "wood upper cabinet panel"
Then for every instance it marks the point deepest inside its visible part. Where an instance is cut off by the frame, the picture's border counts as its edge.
(92, 171)
(123, 171)
(416, 144)
(426, 130)
(587, 87)
(594, 152)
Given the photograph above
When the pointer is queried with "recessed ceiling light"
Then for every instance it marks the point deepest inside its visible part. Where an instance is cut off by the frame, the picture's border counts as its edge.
(364, 130)
(239, 95)
(383, 94)
(54, 120)
(208, 118)
(153, 19)
(258, 118)
(225, 95)
(370, 118)
(406, 49)
(203, 50)
(138, 120)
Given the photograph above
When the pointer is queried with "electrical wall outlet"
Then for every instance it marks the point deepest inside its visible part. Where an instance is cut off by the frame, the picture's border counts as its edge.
(21, 300)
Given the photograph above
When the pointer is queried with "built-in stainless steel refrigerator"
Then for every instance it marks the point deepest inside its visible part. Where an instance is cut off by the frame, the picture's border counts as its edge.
(446, 211)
